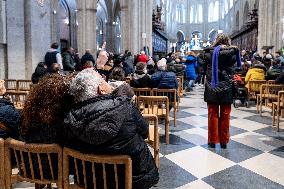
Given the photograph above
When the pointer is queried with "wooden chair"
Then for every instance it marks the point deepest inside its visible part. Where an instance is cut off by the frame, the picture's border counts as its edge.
(98, 165)
(24, 85)
(254, 88)
(153, 138)
(34, 162)
(172, 95)
(181, 81)
(269, 94)
(277, 108)
(18, 98)
(11, 84)
(142, 92)
(159, 106)
(2, 175)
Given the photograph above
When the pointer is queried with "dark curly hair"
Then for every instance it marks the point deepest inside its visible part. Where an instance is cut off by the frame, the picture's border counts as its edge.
(47, 101)
(222, 39)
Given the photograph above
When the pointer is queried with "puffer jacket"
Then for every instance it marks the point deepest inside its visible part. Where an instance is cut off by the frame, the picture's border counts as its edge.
(111, 125)
(9, 117)
(164, 80)
(191, 65)
(226, 61)
(255, 73)
(178, 69)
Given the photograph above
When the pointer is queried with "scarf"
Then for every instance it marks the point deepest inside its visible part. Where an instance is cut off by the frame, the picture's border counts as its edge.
(215, 80)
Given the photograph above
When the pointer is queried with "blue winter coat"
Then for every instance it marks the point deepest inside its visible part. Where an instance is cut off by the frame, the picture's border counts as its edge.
(191, 65)
(10, 117)
(164, 80)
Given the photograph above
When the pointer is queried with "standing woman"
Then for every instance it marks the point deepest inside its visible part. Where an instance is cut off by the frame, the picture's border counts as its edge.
(220, 60)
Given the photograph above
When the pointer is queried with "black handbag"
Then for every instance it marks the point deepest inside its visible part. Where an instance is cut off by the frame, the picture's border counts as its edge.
(222, 94)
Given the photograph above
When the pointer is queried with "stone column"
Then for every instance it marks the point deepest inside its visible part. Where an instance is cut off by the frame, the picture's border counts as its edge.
(124, 16)
(86, 25)
(110, 36)
(261, 25)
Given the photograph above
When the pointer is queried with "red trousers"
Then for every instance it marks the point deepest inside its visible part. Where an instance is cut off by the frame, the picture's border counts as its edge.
(218, 123)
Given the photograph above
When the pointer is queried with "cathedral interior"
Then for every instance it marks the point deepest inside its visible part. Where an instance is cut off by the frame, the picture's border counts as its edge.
(254, 157)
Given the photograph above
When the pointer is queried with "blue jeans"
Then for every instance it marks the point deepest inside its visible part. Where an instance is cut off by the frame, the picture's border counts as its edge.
(189, 84)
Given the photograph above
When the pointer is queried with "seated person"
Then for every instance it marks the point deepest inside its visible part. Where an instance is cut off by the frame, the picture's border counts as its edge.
(274, 71)
(257, 72)
(140, 78)
(103, 123)
(44, 110)
(9, 116)
(163, 79)
(176, 67)
(118, 84)
(40, 71)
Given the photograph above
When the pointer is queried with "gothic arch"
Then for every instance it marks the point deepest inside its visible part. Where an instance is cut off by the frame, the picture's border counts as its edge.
(180, 39)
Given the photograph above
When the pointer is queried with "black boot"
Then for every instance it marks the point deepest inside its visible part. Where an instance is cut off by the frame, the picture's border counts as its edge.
(224, 146)
(211, 145)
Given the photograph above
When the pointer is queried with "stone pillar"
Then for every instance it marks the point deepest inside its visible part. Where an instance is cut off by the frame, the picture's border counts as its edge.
(125, 37)
(110, 36)
(261, 25)
(86, 25)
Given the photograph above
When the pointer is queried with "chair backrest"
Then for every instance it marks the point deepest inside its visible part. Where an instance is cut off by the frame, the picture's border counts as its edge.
(105, 170)
(37, 163)
(153, 137)
(142, 91)
(180, 91)
(170, 93)
(18, 98)
(11, 84)
(23, 85)
(181, 83)
(2, 176)
(254, 85)
(272, 90)
(157, 105)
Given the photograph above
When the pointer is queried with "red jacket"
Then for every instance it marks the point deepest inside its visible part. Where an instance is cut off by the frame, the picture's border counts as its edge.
(143, 58)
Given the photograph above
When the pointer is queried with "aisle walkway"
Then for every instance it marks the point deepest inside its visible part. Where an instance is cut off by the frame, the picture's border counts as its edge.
(254, 157)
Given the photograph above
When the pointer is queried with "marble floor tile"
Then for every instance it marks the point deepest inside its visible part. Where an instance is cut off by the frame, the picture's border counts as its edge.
(200, 162)
(258, 141)
(237, 177)
(247, 124)
(196, 121)
(196, 185)
(267, 165)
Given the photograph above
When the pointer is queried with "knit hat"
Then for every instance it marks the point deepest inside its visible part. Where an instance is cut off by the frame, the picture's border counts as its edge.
(85, 85)
(140, 67)
(102, 59)
(2, 87)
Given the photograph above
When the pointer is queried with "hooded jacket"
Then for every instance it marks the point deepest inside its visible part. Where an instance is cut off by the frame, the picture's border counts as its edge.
(255, 73)
(9, 117)
(191, 65)
(110, 125)
(140, 80)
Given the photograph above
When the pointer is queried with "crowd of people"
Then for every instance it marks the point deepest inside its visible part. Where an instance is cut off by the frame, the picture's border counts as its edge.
(85, 104)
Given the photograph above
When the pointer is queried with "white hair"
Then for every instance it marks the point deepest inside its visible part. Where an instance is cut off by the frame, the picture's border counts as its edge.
(162, 64)
(85, 85)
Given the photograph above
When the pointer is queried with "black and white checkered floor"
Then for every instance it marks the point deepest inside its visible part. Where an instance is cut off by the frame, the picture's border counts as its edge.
(254, 158)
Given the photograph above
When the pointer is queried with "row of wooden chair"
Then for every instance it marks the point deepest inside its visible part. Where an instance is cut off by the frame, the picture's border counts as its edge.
(44, 164)
(17, 85)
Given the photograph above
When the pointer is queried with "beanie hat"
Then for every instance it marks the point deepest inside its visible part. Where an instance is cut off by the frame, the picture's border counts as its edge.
(2, 87)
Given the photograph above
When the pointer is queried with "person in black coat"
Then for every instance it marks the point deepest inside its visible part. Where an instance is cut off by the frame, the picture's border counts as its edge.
(88, 57)
(40, 71)
(140, 78)
(9, 116)
(219, 60)
(103, 123)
